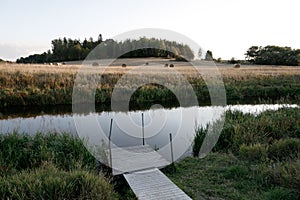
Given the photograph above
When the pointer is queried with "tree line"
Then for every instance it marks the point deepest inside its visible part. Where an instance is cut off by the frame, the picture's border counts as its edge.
(70, 50)
(273, 55)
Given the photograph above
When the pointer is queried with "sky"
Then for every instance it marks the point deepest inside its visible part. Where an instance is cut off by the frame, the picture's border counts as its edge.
(226, 27)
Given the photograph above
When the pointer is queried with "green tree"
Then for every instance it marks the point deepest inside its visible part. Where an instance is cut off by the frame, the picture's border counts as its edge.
(209, 55)
(272, 55)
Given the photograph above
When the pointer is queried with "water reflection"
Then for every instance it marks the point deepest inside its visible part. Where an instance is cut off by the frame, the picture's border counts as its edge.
(127, 130)
(127, 126)
(64, 122)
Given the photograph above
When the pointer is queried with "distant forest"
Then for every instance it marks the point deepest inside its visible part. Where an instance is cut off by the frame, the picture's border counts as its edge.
(70, 50)
(273, 55)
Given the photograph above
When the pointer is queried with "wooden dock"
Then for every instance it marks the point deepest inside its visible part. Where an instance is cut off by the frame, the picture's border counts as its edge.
(153, 184)
(139, 165)
(135, 158)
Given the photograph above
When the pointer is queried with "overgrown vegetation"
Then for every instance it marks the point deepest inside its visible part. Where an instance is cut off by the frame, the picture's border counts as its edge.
(48, 182)
(275, 132)
(256, 157)
(28, 85)
(49, 166)
(22, 152)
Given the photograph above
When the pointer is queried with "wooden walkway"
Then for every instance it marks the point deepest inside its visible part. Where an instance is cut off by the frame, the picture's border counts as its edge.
(139, 165)
(136, 158)
(153, 184)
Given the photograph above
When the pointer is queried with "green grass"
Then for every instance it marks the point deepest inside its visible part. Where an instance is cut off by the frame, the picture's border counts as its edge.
(266, 128)
(22, 151)
(48, 182)
(256, 157)
(224, 176)
(52, 166)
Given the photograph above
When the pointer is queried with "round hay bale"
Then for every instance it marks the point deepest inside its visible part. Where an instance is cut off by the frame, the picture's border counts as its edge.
(166, 65)
(172, 65)
(146, 63)
(95, 64)
(237, 66)
(124, 65)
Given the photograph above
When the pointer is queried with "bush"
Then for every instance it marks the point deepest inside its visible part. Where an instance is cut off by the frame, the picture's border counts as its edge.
(285, 149)
(48, 182)
(256, 152)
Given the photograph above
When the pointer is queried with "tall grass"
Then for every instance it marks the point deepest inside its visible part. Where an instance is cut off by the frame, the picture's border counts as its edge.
(49, 166)
(26, 85)
(198, 140)
(48, 182)
(264, 152)
(275, 129)
(22, 151)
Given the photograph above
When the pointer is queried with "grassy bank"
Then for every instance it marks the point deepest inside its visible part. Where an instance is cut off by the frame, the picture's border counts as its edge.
(225, 176)
(49, 166)
(28, 85)
(256, 157)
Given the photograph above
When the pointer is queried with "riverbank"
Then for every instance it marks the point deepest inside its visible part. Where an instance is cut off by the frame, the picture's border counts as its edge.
(256, 157)
(49, 166)
(43, 85)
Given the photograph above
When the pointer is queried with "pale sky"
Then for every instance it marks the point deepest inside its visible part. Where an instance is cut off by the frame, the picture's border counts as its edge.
(226, 27)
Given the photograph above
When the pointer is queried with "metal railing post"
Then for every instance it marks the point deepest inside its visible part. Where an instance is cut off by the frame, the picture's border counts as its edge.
(143, 134)
(109, 144)
(171, 144)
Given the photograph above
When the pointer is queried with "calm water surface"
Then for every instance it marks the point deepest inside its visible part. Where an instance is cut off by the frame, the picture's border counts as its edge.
(127, 126)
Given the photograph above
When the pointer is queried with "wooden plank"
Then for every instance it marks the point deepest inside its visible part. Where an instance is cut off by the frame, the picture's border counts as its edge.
(152, 184)
(130, 159)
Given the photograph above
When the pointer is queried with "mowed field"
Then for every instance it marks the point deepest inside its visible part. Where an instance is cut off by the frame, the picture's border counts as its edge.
(227, 70)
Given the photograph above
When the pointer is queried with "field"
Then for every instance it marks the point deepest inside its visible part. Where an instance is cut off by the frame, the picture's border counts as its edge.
(26, 85)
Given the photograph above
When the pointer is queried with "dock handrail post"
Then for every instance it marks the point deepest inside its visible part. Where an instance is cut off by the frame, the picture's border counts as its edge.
(171, 145)
(143, 134)
(109, 144)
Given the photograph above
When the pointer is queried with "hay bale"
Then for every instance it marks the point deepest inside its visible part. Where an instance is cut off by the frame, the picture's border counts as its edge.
(166, 65)
(237, 66)
(124, 65)
(95, 64)
(172, 65)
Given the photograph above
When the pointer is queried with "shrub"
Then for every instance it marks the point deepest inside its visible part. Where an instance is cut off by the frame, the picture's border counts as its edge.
(48, 182)
(256, 152)
(285, 149)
